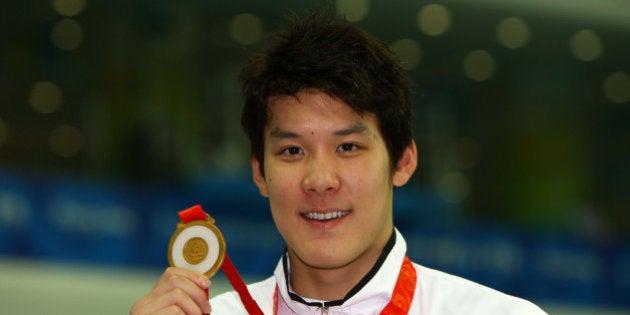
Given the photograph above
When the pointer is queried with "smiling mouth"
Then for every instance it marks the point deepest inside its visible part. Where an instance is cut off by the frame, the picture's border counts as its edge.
(325, 216)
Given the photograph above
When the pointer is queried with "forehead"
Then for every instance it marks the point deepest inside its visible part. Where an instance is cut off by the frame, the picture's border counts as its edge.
(310, 103)
(307, 116)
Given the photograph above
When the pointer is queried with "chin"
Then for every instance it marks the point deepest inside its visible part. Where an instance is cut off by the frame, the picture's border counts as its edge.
(326, 260)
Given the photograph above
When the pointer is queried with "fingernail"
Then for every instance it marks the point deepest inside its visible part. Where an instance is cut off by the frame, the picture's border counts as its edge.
(204, 282)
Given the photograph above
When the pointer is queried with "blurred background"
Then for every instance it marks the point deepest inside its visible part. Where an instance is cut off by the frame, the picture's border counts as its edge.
(115, 115)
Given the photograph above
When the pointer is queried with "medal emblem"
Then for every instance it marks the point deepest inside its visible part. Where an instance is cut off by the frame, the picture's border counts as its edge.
(197, 243)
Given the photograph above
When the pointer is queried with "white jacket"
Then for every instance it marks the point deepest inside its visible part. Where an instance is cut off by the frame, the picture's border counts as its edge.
(436, 293)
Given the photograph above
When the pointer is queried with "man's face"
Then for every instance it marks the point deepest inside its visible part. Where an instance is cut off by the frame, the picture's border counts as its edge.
(328, 179)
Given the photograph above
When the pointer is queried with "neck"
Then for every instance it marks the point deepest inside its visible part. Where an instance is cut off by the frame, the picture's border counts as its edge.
(336, 284)
(326, 284)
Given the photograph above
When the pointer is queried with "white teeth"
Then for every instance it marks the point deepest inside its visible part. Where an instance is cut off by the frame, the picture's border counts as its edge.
(319, 216)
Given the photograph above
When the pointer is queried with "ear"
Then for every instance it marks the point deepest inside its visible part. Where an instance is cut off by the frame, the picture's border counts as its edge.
(258, 177)
(406, 165)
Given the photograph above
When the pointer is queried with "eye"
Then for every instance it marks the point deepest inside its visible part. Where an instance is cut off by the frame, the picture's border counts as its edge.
(292, 151)
(347, 147)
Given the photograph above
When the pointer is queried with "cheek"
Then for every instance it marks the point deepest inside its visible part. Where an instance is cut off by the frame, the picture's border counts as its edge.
(372, 177)
(280, 188)
(371, 186)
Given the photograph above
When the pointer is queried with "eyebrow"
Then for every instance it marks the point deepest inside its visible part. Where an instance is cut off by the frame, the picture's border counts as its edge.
(358, 128)
(280, 133)
(354, 129)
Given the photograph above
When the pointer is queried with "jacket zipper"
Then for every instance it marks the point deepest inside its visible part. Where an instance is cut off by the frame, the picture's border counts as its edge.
(324, 309)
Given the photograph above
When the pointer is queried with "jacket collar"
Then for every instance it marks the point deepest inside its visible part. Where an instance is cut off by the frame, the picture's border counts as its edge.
(373, 291)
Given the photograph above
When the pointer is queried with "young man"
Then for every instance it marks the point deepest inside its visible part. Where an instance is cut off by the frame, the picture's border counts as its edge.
(328, 114)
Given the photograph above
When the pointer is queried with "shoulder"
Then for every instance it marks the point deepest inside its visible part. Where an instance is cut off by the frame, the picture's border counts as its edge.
(443, 292)
(230, 302)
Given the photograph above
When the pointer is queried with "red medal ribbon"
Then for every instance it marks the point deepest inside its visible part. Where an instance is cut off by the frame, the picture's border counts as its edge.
(402, 295)
(403, 291)
(196, 213)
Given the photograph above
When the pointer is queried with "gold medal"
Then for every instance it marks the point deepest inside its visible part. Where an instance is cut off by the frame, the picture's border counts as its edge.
(197, 245)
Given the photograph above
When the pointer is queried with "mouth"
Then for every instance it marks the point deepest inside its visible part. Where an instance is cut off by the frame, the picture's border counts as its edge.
(325, 216)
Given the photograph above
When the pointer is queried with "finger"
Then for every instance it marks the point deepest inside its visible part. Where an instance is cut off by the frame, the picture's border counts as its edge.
(195, 294)
(203, 300)
(184, 301)
(196, 288)
(196, 277)
(177, 290)
(172, 310)
(175, 277)
(166, 304)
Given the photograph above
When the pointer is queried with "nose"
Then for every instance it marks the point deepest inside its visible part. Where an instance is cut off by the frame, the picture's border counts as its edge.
(321, 175)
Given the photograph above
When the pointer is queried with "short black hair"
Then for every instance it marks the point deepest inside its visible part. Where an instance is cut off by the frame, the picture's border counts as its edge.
(325, 52)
